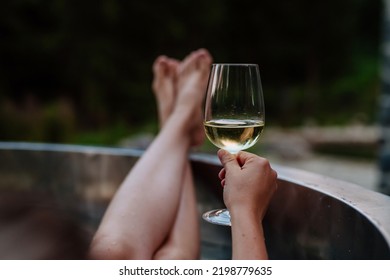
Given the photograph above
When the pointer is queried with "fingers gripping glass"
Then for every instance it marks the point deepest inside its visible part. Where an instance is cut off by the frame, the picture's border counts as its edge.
(234, 114)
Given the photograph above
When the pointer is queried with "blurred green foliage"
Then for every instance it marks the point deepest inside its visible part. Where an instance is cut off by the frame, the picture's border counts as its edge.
(80, 71)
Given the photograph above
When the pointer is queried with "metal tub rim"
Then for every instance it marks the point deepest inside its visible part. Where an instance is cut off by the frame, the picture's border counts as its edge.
(372, 205)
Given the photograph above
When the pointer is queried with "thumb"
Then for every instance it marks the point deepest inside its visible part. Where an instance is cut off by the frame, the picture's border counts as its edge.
(227, 159)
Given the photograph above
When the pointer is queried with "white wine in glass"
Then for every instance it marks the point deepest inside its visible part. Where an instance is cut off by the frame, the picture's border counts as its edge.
(234, 114)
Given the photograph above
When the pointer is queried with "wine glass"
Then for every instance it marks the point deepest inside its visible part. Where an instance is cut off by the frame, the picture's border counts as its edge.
(234, 114)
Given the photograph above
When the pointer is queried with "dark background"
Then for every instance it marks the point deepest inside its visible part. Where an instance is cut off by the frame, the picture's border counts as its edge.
(79, 71)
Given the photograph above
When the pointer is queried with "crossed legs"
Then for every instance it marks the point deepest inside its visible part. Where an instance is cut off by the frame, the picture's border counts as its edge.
(153, 214)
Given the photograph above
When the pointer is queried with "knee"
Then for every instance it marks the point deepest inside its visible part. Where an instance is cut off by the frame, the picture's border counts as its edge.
(115, 248)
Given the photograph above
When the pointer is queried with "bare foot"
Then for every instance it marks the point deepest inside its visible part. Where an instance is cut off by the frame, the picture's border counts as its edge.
(164, 86)
(192, 78)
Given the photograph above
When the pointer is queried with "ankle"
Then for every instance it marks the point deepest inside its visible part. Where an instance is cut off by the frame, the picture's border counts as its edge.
(184, 119)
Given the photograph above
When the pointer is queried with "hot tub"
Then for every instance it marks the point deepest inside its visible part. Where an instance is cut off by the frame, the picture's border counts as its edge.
(310, 216)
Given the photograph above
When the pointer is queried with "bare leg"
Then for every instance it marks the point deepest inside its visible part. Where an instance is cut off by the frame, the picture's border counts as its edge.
(144, 209)
(183, 241)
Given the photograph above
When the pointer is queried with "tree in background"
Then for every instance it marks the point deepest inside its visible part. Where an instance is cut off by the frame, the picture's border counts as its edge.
(68, 66)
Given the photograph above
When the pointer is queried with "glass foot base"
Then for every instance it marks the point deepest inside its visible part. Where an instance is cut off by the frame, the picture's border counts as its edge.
(218, 217)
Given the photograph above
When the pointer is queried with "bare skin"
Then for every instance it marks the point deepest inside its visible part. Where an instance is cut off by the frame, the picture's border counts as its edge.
(185, 231)
(146, 216)
(153, 214)
(249, 183)
(164, 86)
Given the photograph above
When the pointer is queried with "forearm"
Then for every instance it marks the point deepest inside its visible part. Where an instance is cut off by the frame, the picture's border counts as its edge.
(247, 236)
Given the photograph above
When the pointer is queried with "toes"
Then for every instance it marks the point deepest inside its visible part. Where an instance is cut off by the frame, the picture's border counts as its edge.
(159, 64)
(159, 68)
(205, 61)
(189, 63)
(197, 60)
(172, 65)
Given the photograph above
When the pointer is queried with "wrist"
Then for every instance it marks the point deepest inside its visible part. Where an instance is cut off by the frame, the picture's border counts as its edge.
(240, 215)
